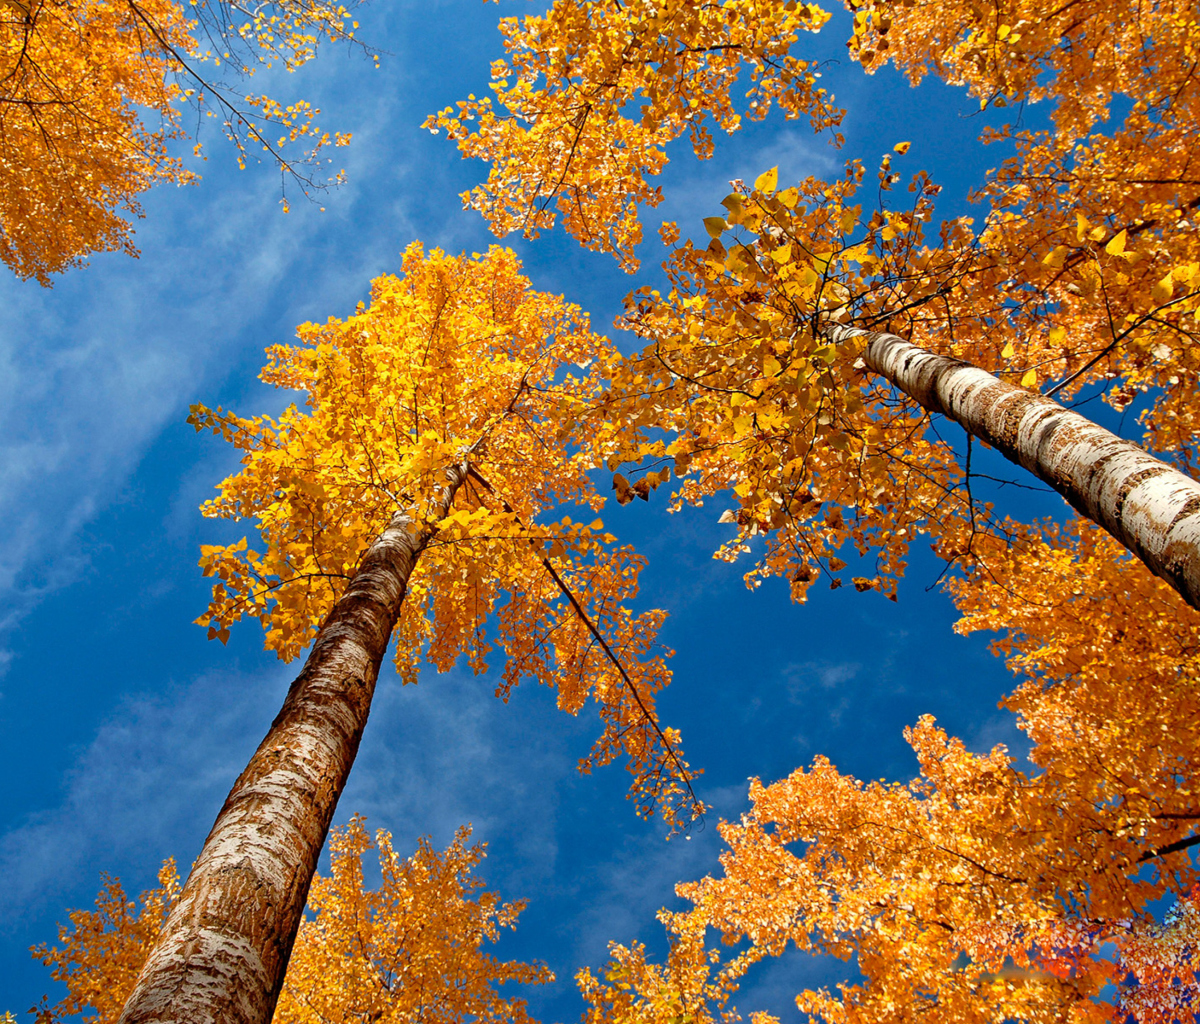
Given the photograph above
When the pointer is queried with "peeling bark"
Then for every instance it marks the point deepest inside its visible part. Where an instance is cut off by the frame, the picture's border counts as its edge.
(1149, 506)
(223, 952)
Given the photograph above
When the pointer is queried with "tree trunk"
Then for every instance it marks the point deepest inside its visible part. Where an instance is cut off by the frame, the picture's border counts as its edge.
(1149, 506)
(223, 951)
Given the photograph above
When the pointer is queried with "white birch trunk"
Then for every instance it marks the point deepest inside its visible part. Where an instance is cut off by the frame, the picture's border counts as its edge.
(1149, 506)
(224, 949)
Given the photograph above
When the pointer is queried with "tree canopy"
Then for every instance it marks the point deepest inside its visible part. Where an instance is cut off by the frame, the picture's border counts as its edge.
(462, 412)
(92, 97)
(411, 949)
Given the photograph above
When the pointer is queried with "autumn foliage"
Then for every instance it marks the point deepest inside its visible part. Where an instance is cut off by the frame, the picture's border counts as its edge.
(104, 949)
(971, 892)
(411, 949)
(562, 135)
(91, 97)
(984, 889)
(457, 360)
(75, 151)
(979, 890)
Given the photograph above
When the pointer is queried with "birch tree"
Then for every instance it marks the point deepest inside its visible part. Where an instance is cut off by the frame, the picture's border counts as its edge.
(1084, 268)
(757, 369)
(404, 503)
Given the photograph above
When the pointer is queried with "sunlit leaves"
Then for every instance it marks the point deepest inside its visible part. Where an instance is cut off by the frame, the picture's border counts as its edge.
(590, 94)
(413, 949)
(754, 400)
(976, 888)
(767, 181)
(457, 361)
(103, 950)
(90, 100)
(74, 151)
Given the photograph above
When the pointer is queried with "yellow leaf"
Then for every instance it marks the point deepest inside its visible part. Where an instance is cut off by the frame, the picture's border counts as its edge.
(1117, 245)
(767, 181)
(1008, 352)
(715, 225)
(771, 366)
(848, 220)
(901, 147)
(1056, 256)
(782, 254)
(1029, 379)
(789, 197)
(1163, 290)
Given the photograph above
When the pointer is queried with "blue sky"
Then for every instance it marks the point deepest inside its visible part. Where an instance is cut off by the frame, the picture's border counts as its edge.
(123, 727)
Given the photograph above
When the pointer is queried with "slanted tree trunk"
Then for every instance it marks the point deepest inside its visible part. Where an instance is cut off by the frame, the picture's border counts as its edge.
(1149, 506)
(223, 951)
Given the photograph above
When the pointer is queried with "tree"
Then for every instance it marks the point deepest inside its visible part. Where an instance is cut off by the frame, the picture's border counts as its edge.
(90, 100)
(978, 891)
(748, 348)
(1030, 276)
(410, 950)
(441, 425)
(567, 136)
(744, 378)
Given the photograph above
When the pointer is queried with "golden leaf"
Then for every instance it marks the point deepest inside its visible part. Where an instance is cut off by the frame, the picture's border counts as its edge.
(767, 181)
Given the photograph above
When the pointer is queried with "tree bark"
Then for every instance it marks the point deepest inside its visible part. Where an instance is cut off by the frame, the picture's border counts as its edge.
(1149, 506)
(223, 951)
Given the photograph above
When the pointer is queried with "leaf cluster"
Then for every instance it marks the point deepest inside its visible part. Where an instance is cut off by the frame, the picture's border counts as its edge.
(590, 94)
(456, 362)
(92, 95)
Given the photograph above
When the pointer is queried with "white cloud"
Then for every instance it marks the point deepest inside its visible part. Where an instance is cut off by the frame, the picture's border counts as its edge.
(446, 753)
(93, 370)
